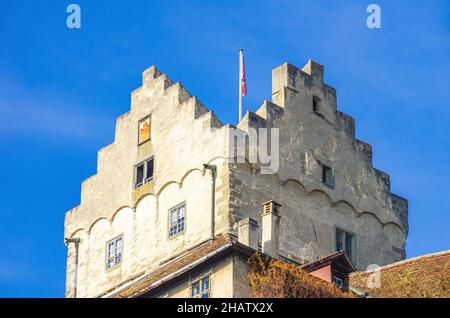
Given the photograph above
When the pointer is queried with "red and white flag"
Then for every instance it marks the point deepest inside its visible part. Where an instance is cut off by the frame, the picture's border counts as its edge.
(242, 74)
(242, 84)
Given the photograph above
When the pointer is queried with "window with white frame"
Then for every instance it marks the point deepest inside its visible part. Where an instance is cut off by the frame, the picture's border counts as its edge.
(201, 287)
(114, 252)
(177, 217)
(346, 242)
(143, 172)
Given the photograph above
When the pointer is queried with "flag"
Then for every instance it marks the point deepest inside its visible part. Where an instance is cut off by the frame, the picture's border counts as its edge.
(242, 75)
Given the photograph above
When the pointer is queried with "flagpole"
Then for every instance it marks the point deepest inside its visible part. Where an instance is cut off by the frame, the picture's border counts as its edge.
(240, 84)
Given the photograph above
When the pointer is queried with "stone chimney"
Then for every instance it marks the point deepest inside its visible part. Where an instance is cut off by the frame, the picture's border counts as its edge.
(271, 229)
(248, 233)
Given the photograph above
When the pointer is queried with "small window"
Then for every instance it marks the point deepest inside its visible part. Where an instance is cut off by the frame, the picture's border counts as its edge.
(143, 172)
(149, 170)
(139, 175)
(144, 130)
(339, 282)
(114, 252)
(177, 220)
(345, 242)
(200, 288)
(328, 176)
(316, 104)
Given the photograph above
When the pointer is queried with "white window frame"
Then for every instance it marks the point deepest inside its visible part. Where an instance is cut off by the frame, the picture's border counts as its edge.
(145, 179)
(115, 260)
(201, 292)
(175, 228)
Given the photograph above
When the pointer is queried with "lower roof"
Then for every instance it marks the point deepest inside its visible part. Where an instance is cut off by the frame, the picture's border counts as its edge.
(423, 276)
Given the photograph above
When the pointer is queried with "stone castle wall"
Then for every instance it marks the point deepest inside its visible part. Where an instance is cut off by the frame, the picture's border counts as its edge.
(184, 136)
(360, 202)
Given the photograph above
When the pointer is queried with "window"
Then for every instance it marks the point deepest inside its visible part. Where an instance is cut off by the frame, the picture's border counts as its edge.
(338, 281)
(176, 219)
(144, 130)
(200, 288)
(114, 252)
(345, 242)
(315, 104)
(143, 172)
(328, 176)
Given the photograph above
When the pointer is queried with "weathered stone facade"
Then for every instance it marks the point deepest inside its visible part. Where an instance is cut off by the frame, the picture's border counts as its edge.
(184, 137)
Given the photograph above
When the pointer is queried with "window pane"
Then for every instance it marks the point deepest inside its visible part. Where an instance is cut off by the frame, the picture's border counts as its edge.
(339, 238)
(348, 245)
(149, 172)
(338, 281)
(182, 208)
(173, 217)
(173, 230)
(139, 175)
(195, 289)
(325, 170)
(205, 283)
(328, 176)
(176, 220)
(114, 253)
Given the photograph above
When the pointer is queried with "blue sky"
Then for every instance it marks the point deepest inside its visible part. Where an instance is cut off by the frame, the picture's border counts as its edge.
(61, 90)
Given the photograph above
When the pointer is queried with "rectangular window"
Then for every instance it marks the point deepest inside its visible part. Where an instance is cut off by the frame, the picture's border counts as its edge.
(345, 242)
(139, 175)
(143, 172)
(149, 170)
(114, 252)
(200, 288)
(316, 103)
(338, 281)
(144, 130)
(177, 219)
(328, 176)
(339, 241)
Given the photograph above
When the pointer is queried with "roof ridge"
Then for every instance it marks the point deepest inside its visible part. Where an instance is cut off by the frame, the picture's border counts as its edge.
(406, 261)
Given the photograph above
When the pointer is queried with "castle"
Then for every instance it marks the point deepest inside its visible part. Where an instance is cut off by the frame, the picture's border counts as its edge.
(170, 213)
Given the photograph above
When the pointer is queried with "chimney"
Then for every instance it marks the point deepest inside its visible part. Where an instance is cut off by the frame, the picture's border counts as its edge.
(248, 233)
(271, 228)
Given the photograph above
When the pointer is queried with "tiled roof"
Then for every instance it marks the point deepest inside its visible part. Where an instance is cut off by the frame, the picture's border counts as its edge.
(325, 260)
(424, 276)
(196, 256)
(175, 267)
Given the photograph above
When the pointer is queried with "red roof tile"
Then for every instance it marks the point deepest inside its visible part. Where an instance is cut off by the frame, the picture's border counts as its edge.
(424, 276)
(174, 267)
